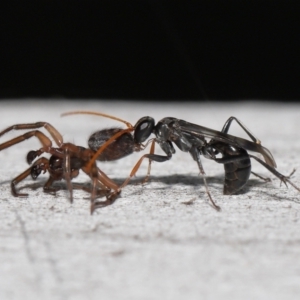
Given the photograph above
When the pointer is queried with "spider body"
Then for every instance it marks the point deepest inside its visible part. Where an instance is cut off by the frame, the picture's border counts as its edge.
(65, 162)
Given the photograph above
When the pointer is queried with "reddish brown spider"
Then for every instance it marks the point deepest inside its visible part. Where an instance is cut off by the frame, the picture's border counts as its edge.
(65, 163)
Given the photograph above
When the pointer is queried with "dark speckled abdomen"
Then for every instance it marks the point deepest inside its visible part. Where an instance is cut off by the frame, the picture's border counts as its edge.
(237, 166)
(123, 146)
(236, 173)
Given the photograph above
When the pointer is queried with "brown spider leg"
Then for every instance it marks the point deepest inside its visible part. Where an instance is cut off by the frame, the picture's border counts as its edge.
(101, 189)
(16, 180)
(100, 178)
(53, 132)
(110, 199)
(48, 188)
(41, 161)
(67, 172)
(45, 141)
(107, 183)
(100, 186)
(94, 177)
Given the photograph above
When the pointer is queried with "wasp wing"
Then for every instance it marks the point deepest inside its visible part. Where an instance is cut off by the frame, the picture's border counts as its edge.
(201, 131)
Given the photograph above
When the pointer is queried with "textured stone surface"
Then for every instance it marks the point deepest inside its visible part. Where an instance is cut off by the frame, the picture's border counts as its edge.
(149, 244)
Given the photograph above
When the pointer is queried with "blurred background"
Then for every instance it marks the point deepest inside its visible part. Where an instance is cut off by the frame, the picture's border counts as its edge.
(150, 50)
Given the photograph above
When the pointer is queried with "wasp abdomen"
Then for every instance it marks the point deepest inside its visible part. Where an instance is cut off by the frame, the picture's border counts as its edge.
(237, 173)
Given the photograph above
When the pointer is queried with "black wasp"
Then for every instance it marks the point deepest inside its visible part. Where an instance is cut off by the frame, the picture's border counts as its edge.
(231, 151)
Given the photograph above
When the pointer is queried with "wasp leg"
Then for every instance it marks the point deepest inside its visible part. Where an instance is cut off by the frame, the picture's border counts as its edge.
(281, 177)
(152, 150)
(196, 156)
(155, 157)
(227, 124)
(266, 179)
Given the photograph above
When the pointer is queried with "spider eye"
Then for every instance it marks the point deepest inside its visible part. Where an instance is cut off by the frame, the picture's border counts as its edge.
(143, 129)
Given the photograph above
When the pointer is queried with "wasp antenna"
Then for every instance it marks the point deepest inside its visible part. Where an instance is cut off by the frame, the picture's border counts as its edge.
(82, 112)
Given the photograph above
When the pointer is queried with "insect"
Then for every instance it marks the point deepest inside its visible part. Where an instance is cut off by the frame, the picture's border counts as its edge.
(65, 162)
(223, 148)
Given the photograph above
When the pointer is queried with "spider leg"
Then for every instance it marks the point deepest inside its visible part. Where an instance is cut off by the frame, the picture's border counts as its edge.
(98, 177)
(45, 141)
(94, 177)
(53, 132)
(48, 188)
(42, 163)
(67, 172)
(106, 182)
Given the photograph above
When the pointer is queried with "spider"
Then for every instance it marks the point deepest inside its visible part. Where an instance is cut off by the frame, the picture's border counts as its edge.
(65, 162)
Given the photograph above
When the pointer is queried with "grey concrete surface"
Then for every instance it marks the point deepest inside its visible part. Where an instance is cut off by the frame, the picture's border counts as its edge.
(149, 244)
